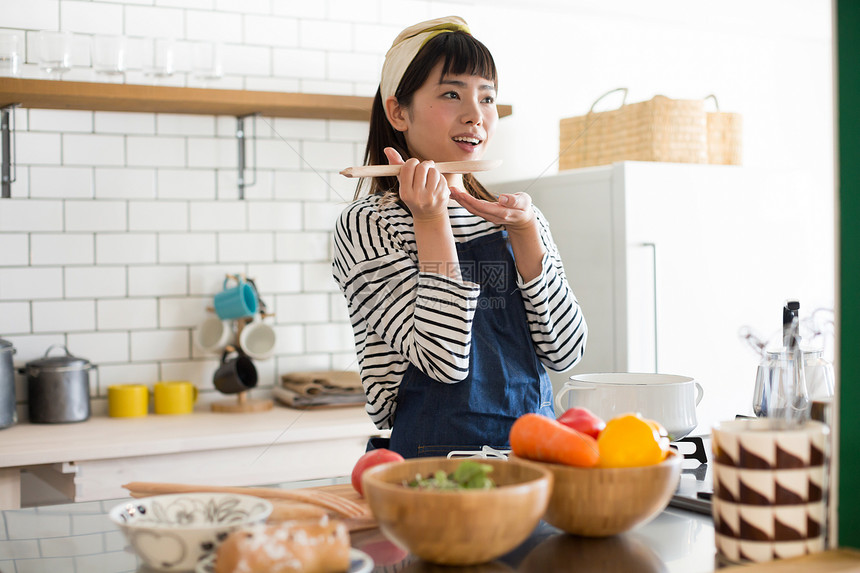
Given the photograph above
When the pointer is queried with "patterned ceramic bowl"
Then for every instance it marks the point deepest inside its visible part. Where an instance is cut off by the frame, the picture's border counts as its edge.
(173, 532)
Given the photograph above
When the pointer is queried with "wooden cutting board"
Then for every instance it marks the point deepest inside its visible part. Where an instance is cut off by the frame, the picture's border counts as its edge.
(345, 490)
(303, 503)
(830, 561)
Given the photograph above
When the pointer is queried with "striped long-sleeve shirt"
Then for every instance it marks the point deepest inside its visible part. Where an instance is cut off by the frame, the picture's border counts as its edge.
(403, 316)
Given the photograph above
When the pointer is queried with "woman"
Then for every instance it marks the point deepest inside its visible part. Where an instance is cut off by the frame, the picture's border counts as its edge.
(457, 299)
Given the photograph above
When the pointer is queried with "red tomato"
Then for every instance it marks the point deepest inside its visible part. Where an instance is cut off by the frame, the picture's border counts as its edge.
(582, 420)
(370, 459)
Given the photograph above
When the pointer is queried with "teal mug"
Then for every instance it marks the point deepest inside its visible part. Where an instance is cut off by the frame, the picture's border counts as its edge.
(239, 301)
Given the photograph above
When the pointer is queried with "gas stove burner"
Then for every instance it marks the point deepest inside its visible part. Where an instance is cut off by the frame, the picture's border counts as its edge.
(484, 453)
(699, 453)
(695, 487)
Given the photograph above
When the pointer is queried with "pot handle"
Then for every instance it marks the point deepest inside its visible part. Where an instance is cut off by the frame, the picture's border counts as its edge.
(53, 346)
(568, 386)
(699, 392)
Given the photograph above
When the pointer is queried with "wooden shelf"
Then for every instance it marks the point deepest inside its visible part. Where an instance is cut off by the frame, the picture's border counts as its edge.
(51, 94)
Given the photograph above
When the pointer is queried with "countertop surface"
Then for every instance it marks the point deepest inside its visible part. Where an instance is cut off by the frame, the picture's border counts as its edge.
(102, 437)
(79, 538)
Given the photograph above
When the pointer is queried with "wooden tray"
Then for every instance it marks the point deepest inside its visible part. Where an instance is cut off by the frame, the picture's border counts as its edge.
(830, 561)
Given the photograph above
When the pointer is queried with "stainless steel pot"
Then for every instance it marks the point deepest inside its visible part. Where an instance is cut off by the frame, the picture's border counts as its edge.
(8, 414)
(58, 388)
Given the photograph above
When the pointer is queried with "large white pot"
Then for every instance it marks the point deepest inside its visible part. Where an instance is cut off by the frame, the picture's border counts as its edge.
(666, 398)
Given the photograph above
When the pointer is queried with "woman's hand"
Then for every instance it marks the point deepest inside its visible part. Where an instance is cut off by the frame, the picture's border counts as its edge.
(422, 187)
(516, 214)
(425, 191)
(514, 211)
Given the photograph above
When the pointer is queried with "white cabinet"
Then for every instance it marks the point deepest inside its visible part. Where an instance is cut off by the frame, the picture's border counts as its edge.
(91, 460)
(723, 246)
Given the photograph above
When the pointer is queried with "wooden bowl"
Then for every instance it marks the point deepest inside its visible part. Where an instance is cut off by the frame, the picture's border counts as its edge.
(457, 527)
(598, 502)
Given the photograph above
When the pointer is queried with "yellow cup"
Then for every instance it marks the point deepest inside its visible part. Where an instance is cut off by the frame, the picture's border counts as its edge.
(128, 400)
(175, 397)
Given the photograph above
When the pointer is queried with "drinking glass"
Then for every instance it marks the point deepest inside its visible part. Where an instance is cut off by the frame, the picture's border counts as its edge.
(158, 58)
(55, 53)
(109, 55)
(10, 55)
(206, 61)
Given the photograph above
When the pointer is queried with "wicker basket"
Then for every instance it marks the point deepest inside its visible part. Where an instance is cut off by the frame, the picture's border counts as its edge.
(660, 129)
(724, 136)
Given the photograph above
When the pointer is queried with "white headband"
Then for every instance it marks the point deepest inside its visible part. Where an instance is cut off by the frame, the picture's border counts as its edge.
(407, 44)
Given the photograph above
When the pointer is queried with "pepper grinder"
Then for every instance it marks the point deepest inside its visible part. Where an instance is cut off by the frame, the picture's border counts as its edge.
(793, 372)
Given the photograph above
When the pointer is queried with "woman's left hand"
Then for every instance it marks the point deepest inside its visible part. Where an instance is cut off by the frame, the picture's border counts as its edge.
(514, 211)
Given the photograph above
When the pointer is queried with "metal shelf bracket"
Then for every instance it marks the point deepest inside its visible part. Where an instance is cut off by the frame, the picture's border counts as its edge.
(8, 172)
(241, 139)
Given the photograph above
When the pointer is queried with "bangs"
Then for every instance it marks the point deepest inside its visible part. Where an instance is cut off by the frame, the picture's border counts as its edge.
(463, 54)
(459, 52)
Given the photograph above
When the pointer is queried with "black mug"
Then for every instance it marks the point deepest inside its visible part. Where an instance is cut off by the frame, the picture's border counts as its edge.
(236, 374)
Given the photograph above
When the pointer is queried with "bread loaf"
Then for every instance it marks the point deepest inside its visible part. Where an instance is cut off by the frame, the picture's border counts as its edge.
(318, 546)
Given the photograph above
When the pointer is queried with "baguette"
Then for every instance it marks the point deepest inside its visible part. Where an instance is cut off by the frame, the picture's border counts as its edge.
(319, 546)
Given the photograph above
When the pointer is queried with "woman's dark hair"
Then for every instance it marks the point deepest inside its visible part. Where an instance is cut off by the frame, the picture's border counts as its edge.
(460, 53)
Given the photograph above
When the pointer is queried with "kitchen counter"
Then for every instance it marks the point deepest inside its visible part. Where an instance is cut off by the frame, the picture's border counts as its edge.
(80, 538)
(90, 460)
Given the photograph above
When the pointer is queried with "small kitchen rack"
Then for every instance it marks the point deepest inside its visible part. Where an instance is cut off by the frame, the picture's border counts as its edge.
(94, 96)
(242, 403)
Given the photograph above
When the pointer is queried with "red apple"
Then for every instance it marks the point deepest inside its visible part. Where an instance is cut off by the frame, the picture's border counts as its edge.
(582, 420)
(370, 459)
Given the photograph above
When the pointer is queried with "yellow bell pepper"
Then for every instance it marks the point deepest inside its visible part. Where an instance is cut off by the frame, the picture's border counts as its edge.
(630, 441)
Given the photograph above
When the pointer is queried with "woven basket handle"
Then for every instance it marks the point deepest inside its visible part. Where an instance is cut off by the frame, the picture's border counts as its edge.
(713, 97)
(623, 100)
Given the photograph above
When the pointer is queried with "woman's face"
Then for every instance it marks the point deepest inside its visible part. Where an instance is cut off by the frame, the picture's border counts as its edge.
(452, 118)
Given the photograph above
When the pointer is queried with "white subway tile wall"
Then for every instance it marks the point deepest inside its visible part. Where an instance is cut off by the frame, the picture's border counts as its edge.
(64, 316)
(101, 348)
(272, 31)
(123, 183)
(122, 226)
(60, 182)
(154, 22)
(58, 120)
(157, 216)
(14, 316)
(127, 314)
(31, 215)
(36, 14)
(124, 123)
(96, 216)
(93, 149)
(95, 282)
(32, 148)
(91, 17)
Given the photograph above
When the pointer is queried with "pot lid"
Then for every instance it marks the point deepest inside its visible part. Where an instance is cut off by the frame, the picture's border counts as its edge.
(5, 345)
(60, 361)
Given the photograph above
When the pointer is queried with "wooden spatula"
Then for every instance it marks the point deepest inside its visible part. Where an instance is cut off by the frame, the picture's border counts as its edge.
(445, 167)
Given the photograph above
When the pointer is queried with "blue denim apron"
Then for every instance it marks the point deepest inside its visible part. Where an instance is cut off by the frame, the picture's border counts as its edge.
(505, 381)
